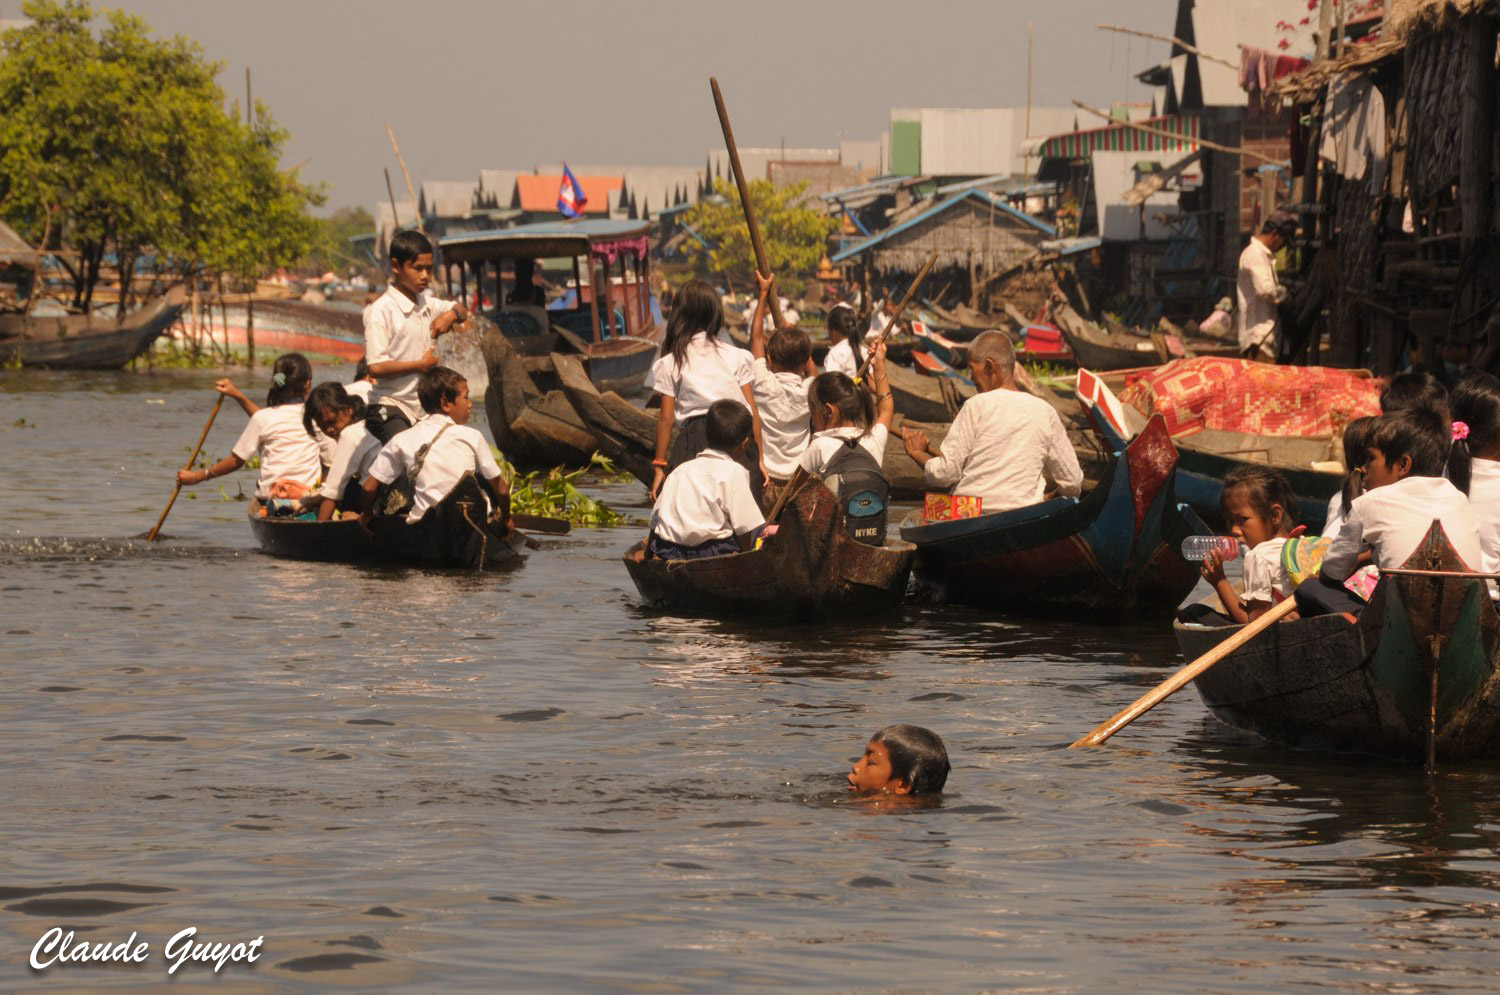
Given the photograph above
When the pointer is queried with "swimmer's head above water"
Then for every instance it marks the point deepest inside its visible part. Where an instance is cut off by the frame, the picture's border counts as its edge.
(901, 760)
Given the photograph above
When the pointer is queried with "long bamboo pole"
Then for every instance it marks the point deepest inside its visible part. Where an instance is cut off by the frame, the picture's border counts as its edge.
(750, 222)
(1191, 50)
(410, 190)
(1182, 138)
(890, 323)
(151, 536)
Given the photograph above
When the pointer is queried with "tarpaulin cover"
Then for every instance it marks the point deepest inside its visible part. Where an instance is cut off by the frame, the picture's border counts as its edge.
(1237, 395)
(612, 249)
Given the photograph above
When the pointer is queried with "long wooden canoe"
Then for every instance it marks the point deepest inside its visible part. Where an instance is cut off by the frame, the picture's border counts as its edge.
(1324, 683)
(87, 342)
(455, 533)
(533, 428)
(1114, 552)
(809, 570)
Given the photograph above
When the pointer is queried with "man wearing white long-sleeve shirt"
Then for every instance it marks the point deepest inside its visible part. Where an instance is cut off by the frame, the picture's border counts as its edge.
(1006, 448)
(1258, 291)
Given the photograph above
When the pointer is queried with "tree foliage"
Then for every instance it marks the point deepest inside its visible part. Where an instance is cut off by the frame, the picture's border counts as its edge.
(115, 143)
(330, 248)
(794, 236)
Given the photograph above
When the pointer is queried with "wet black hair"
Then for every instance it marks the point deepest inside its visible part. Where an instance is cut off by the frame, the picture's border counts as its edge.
(1358, 435)
(437, 385)
(1476, 403)
(855, 406)
(842, 320)
(918, 757)
(1265, 488)
(789, 349)
(295, 373)
(696, 308)
(1419, 433)
(1415, 390)
(327, 398)
(727, 425)
(407, 245)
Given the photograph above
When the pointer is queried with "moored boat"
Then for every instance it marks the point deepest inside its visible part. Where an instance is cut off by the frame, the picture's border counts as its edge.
(534, 428)
(453, 533)
(87, 342)
(1417, 676)
(1114, 551)
(289, 325)
(809, 569)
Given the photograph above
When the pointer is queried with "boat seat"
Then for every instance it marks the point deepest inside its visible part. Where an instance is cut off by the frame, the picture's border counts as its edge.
(520, 320)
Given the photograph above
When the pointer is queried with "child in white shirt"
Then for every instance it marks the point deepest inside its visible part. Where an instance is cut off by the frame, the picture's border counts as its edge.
(1357, 436)
(843, 331)
(341, 417)
(1474, 464)
(695, 370)
(437, 452)
(289, 462)
(783, 372)
(1258, 505)
(706, 507)
(842, 411)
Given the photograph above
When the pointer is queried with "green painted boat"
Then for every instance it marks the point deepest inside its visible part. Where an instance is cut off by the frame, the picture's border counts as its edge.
(1416, 677)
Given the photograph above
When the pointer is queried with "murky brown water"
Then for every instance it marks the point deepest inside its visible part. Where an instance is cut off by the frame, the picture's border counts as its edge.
(522, 781)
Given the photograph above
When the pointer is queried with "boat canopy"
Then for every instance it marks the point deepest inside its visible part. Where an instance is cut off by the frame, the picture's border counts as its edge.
(549, 240)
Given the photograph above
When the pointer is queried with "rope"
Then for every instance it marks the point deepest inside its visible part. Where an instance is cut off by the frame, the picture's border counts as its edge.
(484, 538)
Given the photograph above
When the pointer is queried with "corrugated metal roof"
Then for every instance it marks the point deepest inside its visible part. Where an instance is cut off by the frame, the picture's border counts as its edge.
(446, 198)
(1120, 138)
(539, 193)
(497, 187)
(539, 240)
(874, 187)
(1072, 246)
(978, 195)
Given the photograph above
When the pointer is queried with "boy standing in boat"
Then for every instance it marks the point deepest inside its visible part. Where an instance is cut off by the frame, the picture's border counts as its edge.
(1006, 448)
(401, 329)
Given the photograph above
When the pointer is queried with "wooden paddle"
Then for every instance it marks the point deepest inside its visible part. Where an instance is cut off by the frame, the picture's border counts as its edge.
(890, 324)
(151, 536)
(1174, 683)
(539, 523)
(792, 487)
(739, 178)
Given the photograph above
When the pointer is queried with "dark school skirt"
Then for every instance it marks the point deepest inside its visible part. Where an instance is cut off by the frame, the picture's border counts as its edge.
(665, 549)
(691, 438)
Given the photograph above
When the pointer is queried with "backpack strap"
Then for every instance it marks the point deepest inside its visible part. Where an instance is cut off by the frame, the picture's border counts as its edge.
(421, 456)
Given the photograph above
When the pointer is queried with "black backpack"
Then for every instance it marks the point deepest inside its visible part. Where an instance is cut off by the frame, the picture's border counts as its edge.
(863, 493)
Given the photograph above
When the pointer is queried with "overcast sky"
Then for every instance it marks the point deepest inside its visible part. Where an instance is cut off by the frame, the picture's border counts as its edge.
(470, 84)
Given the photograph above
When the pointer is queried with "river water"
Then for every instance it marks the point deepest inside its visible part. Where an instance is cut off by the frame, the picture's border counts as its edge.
(524, 781)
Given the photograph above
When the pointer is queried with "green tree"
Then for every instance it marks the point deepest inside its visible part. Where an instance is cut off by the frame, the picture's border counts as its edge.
(794, 236)
(117, 143)
(330, 248)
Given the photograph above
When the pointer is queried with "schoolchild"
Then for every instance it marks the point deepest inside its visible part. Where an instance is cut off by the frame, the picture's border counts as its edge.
(401, 328)
(695, 370)
(363, 384)
(706, 507)
(1474, 463)
(1357, 436)
(847, 450)
(783, 372)
(341, 417)
(326, 445)
(437, 452)
(1260, 509)
(901, 760)
(844, 356)
(289, 463)
(1405, 491)
(1415, 390)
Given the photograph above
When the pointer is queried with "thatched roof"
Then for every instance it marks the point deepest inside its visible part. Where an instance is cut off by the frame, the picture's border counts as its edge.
(1407, 15)
(1305, 85)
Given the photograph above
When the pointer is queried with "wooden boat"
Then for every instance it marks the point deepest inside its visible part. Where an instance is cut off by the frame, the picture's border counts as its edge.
(931, 341)
(87, 342)
(1418, 676)
(290, 325)
(454, 533)
(605, 317)
(929, 365)
(1114, 551)
(925, 398)
(534, 428)
(1095, 349)
(809, 570)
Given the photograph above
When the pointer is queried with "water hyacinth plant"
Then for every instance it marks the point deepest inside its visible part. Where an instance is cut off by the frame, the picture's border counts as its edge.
(555, 494)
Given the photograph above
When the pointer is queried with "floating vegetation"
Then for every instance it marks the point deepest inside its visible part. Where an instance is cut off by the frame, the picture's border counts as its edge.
(555, 494)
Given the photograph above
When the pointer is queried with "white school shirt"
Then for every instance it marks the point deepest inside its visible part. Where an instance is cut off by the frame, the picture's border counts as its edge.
(781, 399)
(461, 450)
(1484, 501)
(327, 446)
(361, 389)
(708, 497)
(287, 452)
(711, 371)
(399, 329)
(1003, 448)
(1265, 578)
(1392, 520)
(840, 359)
(825, 445)
(352, 457)
(1257, 292)
(1335, 518)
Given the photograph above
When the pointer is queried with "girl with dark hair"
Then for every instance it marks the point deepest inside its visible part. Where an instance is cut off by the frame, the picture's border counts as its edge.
(842, 411)
(1260, 510)
(340, 416)
(1357, 436)
(1474, 463)
(289, 462)
(695, 370)
(844, 356)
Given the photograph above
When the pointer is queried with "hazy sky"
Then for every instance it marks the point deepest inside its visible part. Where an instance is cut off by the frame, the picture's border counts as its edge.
(469, 85)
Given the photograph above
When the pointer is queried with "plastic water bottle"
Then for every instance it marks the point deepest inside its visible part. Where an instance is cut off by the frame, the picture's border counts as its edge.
(1195, 548)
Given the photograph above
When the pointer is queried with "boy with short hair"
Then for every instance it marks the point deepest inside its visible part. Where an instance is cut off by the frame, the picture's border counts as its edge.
(400, 329)
(1404, 492)
(706, 507)
(783, 369)
(438, 451)
(901, 760)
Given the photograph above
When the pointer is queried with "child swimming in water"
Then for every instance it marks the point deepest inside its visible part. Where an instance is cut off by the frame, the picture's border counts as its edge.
(901, 760)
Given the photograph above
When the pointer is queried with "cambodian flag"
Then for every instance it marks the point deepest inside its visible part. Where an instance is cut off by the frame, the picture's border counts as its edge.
(570, 198)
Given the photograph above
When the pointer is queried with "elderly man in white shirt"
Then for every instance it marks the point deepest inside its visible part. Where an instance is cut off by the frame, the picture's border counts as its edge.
(1006, 448)
(1258, 291)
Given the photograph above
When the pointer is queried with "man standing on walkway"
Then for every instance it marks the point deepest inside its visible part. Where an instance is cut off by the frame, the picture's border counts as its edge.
(1258, 291)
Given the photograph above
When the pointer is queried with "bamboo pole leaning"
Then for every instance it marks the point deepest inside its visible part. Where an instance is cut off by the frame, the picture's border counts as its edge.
(777, 318)
(890, 324)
